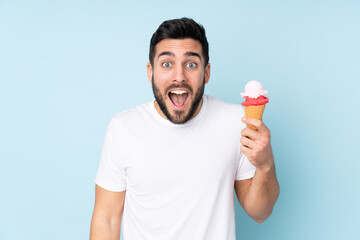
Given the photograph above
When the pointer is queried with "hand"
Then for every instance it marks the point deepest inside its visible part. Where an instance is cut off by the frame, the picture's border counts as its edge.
(256, 144)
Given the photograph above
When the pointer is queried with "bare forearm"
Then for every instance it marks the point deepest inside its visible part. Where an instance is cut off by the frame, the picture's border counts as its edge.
(102, 229)
(262, 195)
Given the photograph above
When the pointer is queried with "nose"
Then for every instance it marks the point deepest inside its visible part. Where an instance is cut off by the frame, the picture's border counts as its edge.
(179, 75)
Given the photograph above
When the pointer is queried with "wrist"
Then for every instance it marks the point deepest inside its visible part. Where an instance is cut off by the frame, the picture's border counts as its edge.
(266, 168)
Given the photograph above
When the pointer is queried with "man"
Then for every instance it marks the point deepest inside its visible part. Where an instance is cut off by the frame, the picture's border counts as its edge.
(170, 166)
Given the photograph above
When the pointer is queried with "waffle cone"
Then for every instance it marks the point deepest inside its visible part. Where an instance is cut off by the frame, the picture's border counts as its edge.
(254, 112)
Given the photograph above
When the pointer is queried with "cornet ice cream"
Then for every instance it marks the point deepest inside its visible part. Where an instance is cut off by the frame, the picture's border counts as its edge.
(255, 100)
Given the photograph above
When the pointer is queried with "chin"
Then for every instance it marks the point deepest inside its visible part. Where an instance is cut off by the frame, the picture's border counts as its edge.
(179, 116)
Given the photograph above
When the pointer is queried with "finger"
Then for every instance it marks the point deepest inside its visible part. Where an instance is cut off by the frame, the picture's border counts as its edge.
(248, 142)
(250, 133)
(258, 124)
(245, 151)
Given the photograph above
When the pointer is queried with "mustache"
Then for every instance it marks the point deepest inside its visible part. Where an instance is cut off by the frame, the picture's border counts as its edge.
(183, 85)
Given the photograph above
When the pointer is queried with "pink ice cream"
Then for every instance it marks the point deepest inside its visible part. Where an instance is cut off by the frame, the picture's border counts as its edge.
(254, 94)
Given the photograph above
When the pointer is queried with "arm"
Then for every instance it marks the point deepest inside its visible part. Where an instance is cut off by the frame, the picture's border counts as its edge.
(258, 195)
(108, 210)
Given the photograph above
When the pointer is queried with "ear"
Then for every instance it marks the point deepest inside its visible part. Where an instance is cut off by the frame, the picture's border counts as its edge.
(207, 73)
(149, 71)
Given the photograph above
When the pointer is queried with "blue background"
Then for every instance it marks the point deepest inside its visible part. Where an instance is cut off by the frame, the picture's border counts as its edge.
(66, 67)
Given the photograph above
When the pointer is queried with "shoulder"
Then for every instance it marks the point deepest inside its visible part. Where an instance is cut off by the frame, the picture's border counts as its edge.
(225, 115)
(228, 109)
(132, 116)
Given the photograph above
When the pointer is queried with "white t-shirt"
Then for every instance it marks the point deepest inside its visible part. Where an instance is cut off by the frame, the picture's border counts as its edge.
(179, 178)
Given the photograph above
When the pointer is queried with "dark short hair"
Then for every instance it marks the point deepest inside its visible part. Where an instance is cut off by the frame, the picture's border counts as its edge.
(180, 29)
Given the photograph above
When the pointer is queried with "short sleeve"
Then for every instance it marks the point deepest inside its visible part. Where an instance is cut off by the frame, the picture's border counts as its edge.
(245, 169)
(111, 173)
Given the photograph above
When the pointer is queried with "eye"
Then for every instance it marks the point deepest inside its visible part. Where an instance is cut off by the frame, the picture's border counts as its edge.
(191, 65)
(166, 64)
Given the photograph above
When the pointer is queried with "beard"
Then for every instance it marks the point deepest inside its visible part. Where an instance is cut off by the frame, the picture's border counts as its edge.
(179, 116)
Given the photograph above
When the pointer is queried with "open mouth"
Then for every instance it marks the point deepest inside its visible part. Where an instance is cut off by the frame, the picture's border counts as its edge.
(178, 98)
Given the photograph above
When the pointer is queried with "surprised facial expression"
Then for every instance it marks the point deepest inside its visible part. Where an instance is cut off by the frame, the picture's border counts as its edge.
(178, 78)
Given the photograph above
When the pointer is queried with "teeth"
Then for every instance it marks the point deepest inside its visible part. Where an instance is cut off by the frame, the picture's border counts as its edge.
(178, 91)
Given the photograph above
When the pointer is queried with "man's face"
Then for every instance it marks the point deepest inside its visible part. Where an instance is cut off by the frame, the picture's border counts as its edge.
(178, 78)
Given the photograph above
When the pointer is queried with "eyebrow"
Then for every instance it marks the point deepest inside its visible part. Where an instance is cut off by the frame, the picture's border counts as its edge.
(188, 54)
(191, 54)
(166, 54)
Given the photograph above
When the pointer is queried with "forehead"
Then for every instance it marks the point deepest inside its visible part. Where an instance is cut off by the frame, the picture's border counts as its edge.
(178, 46)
